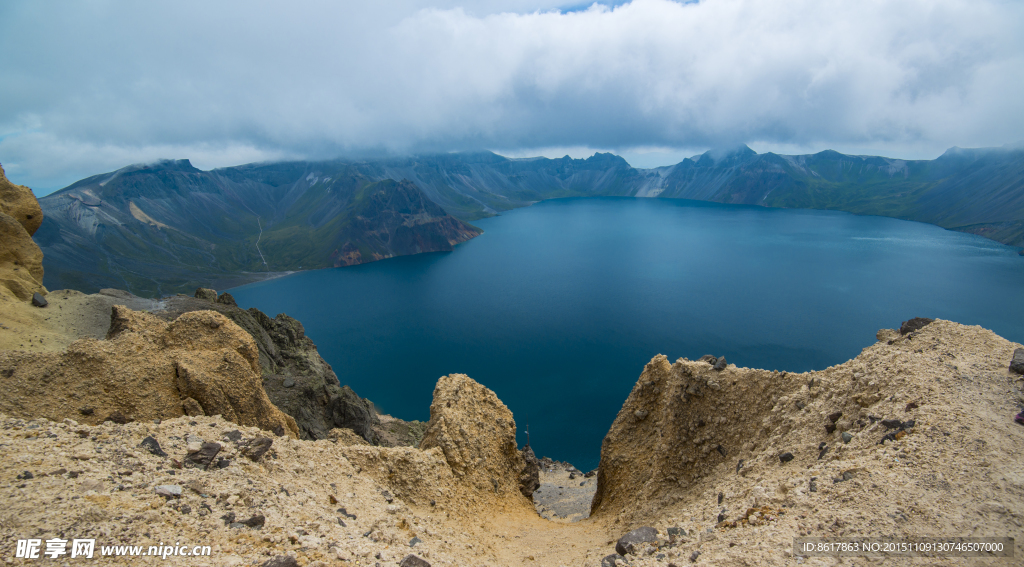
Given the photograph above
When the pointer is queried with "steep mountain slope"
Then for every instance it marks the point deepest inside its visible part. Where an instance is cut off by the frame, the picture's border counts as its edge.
(976, 190)
(169, 227)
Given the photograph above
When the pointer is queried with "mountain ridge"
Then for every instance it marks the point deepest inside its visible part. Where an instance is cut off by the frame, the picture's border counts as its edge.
(170, 227)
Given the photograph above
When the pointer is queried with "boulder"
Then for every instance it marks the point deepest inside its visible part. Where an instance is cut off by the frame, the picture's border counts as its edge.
(914, 324)
(477, 435)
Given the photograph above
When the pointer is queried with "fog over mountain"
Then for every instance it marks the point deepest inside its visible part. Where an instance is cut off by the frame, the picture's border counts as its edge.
(90, 87)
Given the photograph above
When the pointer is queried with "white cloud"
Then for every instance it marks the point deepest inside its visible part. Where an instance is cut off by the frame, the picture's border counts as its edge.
(317, 79)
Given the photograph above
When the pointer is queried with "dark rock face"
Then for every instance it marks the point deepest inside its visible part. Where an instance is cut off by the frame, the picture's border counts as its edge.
(413, 561)
(720, 364)
(630, 543)
(914, 324)
(38, 300)
(529, 479)
(1017, 364)
(296, 378)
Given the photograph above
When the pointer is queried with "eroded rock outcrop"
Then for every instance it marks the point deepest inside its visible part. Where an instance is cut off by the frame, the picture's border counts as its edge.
(685, 426)
(21, 260)
(146, 369)
(19, 203)
(467, 461)
(681, 421)
(477, 435)
(296, 378)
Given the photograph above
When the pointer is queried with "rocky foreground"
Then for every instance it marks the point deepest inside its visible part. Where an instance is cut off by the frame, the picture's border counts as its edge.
(727, 466)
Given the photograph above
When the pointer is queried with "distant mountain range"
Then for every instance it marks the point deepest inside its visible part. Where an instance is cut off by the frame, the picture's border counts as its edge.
(169, 227)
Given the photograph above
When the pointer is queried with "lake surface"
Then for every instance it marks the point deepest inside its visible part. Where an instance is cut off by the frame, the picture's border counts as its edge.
(558, 306)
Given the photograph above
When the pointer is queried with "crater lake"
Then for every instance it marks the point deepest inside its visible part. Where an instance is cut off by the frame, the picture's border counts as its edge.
(558, 306)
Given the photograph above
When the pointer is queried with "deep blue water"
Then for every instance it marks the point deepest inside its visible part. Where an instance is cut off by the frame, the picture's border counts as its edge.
(558, 306)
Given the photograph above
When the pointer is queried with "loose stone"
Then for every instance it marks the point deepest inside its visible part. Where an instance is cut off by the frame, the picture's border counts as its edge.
(204, 456)
(413, 561)
(257, 448)
(153, 446)
(281, 561)
(169, 490)
(609, 560)
(630, 543)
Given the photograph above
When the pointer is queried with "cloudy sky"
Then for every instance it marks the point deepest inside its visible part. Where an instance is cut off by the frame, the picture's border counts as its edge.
(91, 86)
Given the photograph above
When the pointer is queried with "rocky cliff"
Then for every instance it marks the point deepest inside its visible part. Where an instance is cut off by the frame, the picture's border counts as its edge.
(296, 378)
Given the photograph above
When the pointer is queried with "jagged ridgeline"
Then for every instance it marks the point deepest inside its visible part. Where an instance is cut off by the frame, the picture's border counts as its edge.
(169, 227)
